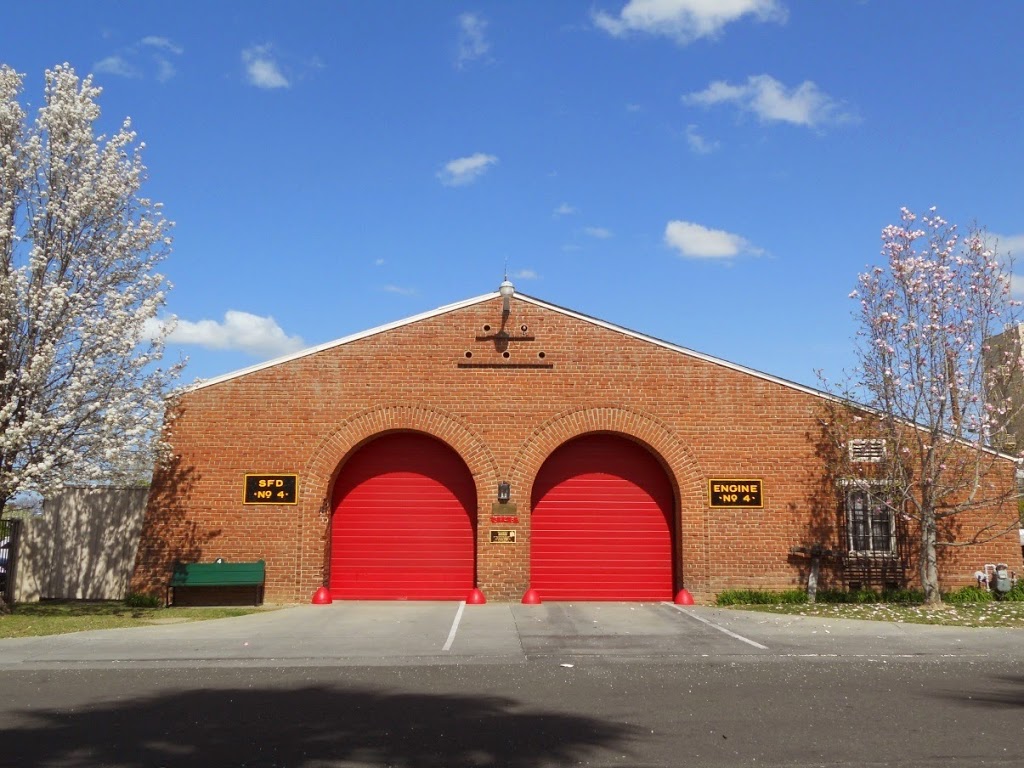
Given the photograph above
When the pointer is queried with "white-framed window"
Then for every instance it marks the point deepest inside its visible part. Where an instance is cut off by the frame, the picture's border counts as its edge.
(870, 522)
(867, 449)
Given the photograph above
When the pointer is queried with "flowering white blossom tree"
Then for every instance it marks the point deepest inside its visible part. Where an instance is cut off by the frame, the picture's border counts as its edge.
(938, 393)
(81, 390)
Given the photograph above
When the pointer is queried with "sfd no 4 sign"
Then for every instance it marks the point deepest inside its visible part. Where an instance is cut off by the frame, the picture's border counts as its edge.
(271, 489)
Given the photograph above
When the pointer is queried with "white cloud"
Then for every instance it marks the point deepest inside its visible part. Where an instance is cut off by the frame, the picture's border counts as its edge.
(473, 43)
(262, 69)
(465, 170)
(165, 70)
(131, 62)
(697, 242)
(1009, 249)
(769, 99)
(400, 290)
(116, 65)
(259, 336)
(1007, 245)
(163, 43)
(599, 232)
(378, 262)
(564, 210)
(525, 274)
(1017, 285)
(698, 143)
(685, 20)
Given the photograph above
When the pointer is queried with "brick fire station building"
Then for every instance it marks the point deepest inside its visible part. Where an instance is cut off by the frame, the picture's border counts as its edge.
(506, 443)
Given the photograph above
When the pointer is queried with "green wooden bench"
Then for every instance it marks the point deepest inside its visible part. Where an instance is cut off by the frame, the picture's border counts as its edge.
(219, 574)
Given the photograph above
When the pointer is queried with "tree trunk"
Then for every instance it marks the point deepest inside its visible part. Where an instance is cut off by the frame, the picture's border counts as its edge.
(929, 564)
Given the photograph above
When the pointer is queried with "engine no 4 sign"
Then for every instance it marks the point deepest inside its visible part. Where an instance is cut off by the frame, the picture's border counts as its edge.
(735, 493)
(271, 489)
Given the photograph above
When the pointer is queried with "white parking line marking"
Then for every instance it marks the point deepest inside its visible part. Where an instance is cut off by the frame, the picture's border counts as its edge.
(455, 627)
(729, 632)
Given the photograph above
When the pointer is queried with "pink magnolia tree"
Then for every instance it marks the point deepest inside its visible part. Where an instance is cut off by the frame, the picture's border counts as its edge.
(81, 387)
(939, 391)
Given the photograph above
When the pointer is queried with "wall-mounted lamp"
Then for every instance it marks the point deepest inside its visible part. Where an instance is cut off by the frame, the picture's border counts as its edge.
(506, 289)
(504, 492)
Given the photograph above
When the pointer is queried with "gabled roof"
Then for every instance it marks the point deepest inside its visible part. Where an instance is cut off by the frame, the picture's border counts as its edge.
(488, 297)
(554, 308)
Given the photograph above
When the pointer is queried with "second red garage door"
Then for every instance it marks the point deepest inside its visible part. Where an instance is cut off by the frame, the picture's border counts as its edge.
(403, 527)
(601, 523)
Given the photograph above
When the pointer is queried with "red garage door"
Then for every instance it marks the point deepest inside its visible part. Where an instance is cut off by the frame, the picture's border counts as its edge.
(601, 523)
(403, 529)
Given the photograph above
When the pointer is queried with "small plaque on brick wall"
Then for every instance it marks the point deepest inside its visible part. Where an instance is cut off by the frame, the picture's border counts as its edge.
(744, 494)
(271, 489)
(504, 513)
(503, 537)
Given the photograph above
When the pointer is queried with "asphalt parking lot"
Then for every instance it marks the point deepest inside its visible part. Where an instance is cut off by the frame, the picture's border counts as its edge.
(445, 685)
(396, 633)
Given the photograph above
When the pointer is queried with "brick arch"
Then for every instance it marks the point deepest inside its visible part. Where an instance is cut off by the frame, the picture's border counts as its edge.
(642, 427)
(328, 457)
(683, 470)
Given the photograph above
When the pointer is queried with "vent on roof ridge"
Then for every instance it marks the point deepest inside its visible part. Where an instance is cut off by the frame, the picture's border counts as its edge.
(867, 449)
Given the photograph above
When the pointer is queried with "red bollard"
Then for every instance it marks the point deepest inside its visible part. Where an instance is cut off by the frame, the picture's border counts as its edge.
(476, 597)
(530, 597)
(322, 597)
(683, 597)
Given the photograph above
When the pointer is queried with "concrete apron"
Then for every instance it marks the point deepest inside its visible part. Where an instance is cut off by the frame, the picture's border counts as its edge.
(425, 633)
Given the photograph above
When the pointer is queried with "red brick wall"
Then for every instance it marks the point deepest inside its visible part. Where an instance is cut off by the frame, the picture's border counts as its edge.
(701, 420)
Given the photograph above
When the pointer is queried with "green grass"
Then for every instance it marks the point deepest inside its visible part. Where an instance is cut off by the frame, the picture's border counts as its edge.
(58, 617)
(985, 614)
(964, 607)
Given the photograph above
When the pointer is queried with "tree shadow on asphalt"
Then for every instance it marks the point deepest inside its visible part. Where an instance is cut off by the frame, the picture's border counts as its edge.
(1006, 691)
(311, 726)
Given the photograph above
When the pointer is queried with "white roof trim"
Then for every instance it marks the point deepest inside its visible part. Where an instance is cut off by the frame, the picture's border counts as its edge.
(554, 308)
(726, 364)
(734, 367)
(677, 348)
(518, 297)
(336, 343)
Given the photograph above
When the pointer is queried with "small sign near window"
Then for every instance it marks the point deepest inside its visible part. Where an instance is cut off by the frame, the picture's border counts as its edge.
(503, 537)
(742, 494)
(271, 489)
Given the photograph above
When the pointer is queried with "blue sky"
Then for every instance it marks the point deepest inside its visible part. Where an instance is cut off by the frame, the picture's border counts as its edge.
(713, 174)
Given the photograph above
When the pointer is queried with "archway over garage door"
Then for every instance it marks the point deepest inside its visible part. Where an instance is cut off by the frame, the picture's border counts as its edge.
(403, 526)
(601, 523)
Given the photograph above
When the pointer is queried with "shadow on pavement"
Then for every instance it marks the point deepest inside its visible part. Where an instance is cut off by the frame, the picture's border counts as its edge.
(1003, 692)
(305, 727)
